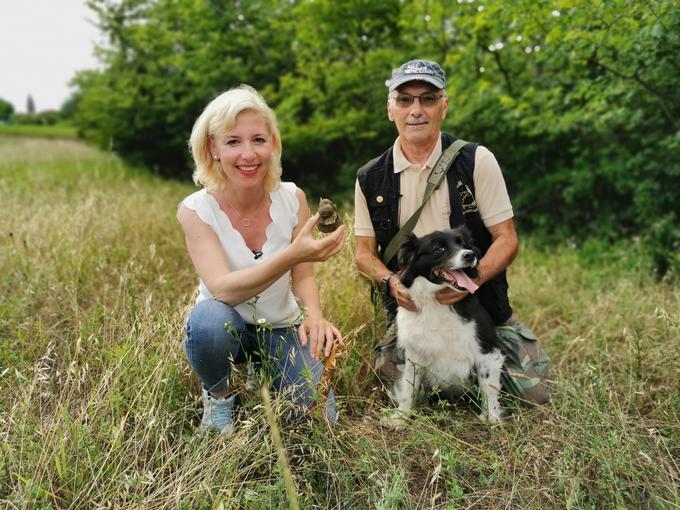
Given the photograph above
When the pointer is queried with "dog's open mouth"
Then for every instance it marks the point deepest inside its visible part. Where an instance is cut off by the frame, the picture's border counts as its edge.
(457, 279)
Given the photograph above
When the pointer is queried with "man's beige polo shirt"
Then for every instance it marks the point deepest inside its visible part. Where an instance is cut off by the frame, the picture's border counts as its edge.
(491, 194)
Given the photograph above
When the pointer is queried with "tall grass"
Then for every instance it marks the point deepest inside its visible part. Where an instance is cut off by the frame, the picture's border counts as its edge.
(98, 405)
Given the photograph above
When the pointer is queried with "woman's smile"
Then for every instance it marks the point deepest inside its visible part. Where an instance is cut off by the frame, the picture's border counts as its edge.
(248, 169)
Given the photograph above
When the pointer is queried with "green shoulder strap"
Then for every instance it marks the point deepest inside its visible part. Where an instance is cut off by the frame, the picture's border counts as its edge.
(433, 181)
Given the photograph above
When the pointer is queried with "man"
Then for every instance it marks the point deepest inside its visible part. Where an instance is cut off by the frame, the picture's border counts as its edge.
(390, 188)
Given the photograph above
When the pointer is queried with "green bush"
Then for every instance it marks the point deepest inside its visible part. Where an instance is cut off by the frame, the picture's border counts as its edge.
(6, 110)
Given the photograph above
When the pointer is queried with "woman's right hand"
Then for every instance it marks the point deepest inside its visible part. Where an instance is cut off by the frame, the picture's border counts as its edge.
(308, 249)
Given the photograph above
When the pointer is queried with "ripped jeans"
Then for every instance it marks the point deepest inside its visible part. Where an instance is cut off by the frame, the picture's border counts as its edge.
(217, 336)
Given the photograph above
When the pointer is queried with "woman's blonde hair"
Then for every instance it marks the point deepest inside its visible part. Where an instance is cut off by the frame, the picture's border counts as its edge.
(218, 118)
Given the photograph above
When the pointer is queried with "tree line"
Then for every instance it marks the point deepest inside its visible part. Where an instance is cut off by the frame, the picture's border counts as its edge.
(33, 117)
(578, 100)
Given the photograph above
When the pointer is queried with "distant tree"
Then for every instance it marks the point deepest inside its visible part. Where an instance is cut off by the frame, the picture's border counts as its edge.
(6, 110)
(165, 60)
(331, 104)
(30, 105)
(69, 107)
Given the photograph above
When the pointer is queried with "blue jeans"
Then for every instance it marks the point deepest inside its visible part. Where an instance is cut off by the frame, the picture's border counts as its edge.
(217, 336)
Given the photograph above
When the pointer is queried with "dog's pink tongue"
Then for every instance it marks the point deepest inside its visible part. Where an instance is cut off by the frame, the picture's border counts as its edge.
(464, 281)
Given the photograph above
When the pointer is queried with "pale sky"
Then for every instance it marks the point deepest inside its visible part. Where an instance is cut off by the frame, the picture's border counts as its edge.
(42, 45)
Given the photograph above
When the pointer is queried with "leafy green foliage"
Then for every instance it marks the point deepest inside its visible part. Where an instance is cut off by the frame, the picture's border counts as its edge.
(578, 100)
(581, 107)
(6, 109)
(332, 104)
(166, 59)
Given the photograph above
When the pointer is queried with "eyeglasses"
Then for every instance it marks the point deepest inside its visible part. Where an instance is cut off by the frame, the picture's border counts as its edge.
(427, 100)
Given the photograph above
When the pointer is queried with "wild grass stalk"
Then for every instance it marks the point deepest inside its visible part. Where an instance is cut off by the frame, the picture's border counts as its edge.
(291, 489)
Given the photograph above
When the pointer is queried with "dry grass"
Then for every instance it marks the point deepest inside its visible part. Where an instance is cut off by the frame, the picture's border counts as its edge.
(98, 405)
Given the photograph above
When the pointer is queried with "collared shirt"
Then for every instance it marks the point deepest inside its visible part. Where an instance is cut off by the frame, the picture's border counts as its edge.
(491, 193)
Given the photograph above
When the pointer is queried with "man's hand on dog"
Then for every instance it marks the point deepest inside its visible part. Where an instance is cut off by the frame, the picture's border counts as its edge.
(400, 293)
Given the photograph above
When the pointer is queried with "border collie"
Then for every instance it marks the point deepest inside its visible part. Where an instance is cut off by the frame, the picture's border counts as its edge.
(445, 346)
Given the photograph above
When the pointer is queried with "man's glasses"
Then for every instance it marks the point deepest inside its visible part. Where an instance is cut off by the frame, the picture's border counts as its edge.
(427, 100)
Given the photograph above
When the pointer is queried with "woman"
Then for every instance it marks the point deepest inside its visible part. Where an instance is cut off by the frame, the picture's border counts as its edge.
(249, 236)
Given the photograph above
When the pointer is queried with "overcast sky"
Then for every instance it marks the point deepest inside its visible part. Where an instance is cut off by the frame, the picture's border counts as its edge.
(42, 44)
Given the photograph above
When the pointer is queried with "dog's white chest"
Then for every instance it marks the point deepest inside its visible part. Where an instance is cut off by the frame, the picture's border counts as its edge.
(436, 338)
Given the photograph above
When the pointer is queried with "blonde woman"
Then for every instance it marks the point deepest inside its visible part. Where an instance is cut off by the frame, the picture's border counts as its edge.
(249, 236)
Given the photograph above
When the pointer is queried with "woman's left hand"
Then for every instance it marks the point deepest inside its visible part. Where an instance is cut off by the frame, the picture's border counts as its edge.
(321, 335)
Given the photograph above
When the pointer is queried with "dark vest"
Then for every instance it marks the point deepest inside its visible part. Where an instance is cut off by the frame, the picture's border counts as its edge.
(380, 186)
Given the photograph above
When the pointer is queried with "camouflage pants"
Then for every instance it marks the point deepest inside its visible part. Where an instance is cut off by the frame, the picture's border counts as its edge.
(525, 371)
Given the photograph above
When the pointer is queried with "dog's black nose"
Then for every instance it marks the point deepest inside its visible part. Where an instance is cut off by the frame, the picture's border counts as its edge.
(469, 256)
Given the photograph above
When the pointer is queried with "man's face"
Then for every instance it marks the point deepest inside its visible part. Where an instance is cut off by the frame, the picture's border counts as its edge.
(417, 124)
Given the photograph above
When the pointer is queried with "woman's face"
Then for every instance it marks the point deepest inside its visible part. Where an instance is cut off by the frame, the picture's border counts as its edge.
(245, 151)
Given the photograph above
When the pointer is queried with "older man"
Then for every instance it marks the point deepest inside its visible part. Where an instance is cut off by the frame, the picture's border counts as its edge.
(390, 188)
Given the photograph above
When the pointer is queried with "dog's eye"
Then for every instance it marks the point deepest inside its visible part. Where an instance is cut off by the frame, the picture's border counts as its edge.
(440, 250)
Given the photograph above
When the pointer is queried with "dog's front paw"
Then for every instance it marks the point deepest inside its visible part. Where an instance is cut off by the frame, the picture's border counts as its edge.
(490, 419)
(394, 418)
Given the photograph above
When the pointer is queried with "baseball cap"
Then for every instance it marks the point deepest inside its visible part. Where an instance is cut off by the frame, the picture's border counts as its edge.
(418, 70)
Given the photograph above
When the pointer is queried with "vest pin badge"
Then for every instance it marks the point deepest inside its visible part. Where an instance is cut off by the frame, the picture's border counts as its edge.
(379, 199)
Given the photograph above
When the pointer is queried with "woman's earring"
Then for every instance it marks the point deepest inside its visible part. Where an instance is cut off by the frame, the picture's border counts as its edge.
(215, 157)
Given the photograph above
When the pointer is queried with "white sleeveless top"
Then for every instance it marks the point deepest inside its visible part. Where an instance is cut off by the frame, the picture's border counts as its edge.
(276, 304)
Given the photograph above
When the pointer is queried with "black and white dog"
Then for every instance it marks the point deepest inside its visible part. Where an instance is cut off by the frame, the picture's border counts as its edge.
(445, 346)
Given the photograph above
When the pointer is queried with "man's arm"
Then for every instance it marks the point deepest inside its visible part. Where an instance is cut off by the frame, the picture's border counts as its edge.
(370, 265)
(501, 253)
(367, 259)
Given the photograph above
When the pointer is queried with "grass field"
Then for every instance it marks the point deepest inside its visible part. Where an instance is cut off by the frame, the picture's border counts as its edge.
(37, 131)
(98, 406)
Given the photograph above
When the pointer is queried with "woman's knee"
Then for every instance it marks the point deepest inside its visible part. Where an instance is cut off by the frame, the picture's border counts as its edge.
(212, 320)
(213, 333)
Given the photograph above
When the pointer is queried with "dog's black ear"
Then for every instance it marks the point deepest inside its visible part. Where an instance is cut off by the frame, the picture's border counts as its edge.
(407, 278)
(406, 254)
(407, 251)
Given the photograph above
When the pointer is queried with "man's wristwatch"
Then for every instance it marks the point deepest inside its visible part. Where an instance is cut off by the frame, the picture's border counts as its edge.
(385, 283)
